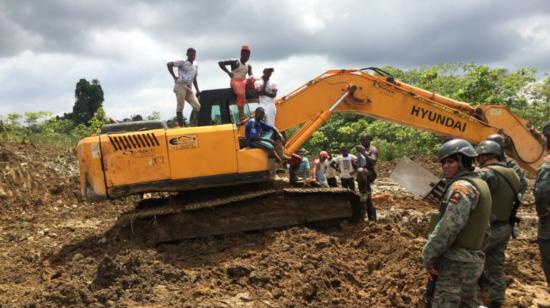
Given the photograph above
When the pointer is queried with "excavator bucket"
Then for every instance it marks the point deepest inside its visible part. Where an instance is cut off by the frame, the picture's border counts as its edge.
(417, 180)
(183, 216)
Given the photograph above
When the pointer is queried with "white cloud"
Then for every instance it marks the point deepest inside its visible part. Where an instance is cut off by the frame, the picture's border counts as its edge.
(46, 47)
(129, 46)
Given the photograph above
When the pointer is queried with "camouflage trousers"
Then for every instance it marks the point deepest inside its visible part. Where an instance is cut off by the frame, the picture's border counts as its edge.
(456, 284)
(544, 245)
(493, 273)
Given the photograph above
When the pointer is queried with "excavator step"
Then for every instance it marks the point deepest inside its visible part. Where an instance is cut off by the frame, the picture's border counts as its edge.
(172, 219)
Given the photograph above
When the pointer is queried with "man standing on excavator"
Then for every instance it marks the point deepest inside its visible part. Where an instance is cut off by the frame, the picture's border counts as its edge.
(504, 184)
(367, 154)
(453, 256)
(542, 202)
(267, 91)
(187, 75)
(239, 70)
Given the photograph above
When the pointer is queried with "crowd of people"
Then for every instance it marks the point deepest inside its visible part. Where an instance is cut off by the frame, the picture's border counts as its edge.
(348, 168)
(477, 213)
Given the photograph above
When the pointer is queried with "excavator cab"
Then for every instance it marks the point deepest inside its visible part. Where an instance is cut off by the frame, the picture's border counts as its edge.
(219, 106)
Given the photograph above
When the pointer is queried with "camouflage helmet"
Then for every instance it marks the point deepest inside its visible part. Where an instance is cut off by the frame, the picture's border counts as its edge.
(546, 128)
(456, 146)
(488, 147)
(498, 138)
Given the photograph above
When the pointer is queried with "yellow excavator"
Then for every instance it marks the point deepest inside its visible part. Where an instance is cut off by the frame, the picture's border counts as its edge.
(209, 182)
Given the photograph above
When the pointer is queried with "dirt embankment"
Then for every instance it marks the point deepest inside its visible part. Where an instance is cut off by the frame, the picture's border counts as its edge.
(56, 251)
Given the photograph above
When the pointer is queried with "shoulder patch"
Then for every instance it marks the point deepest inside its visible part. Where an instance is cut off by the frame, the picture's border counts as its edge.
(455, 197)
(465, 189)
(460, 188)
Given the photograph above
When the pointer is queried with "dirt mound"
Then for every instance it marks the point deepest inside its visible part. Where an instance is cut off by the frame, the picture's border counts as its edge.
(59, 251)
(33, 176)
(298, 266)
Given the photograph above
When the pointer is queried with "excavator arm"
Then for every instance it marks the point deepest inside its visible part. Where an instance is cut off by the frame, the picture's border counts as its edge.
(383, 97)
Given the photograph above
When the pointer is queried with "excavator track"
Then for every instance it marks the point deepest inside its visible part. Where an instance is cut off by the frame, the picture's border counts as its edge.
(186, 216)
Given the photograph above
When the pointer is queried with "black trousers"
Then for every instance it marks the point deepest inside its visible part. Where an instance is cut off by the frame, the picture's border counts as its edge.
(332, 182)
(348, 183)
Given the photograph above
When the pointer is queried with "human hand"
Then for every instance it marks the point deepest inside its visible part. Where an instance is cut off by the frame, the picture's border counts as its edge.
(198, 93)
(230, 75)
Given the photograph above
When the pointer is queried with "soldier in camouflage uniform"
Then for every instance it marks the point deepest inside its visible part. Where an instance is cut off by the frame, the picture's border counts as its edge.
(542, 201)
(453, 254)
(504, 185)
(510, 163)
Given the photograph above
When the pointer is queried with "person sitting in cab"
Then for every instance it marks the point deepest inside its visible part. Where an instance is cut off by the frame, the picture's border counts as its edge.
(262, 135)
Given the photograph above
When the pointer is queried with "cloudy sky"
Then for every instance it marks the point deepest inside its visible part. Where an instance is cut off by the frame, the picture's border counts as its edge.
(47, 46)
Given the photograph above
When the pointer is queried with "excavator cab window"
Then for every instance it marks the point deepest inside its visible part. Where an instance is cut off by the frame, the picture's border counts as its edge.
(215, 107)
(249, 109)
(216, 114)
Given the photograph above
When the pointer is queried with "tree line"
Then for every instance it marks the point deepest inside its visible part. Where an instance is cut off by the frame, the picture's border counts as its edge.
(518, 89)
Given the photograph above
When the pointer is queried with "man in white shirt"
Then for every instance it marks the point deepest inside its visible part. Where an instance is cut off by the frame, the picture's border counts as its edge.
(267, 90)
(346, 165)
(187, 75)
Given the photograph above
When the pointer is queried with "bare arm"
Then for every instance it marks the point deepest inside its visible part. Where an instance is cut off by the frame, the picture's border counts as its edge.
(170, 67)
(196, 84)
(371, 156)
(250, 70)
(223, 65)
(316, 166)
(264, 92)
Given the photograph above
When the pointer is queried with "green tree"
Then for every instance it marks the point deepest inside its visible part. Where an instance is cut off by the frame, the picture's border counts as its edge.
(98, 120)
(540, 109)
(155, 115)
(89, 97)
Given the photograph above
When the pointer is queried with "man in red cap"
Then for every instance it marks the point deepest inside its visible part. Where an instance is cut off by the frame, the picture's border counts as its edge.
(318, 171)
(239, 70)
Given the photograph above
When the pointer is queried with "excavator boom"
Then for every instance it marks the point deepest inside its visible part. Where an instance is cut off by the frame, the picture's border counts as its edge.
(385, 98)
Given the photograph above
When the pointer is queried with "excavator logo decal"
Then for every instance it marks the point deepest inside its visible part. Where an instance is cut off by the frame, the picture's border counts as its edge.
(438, 118)
(183, 142)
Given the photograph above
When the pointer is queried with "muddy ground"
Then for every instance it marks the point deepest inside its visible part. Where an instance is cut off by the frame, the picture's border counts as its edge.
(55, 250)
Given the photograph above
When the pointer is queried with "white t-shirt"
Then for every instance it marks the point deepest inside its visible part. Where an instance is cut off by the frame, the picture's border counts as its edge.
(270, 88)
(345, 165)
(266, 102)
(186, 71)
(329, 171)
